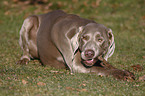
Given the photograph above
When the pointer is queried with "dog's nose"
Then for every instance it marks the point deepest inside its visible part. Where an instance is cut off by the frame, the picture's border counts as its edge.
(89, 53)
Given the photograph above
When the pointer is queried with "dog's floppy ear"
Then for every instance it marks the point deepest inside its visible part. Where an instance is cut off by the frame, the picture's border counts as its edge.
(75, 39)
(111, 47)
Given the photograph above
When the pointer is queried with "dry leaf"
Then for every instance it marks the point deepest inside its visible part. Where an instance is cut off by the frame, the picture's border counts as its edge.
(56, 72)
(24, 81)
(96, 4)
(15, 1)
(41, 84)
(9, 78)
(143, 17)
(137, 67)
(27, 77)
(82, 85)
(59, 4)
(142, 78)
(7, 13)
(136, 85)
(74, 1)
(84, 90)
(39, 77)
(6, 3)
(52, 71)
(69, 88)
(73, 89)
(82, 10)
(1, 21)
(85, 3)
(81, 90)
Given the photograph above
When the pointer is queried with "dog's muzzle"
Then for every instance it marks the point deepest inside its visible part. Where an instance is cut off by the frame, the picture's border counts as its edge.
(90, 60)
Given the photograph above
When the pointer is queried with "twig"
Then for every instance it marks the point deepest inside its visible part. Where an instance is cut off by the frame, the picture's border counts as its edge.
(105, 64)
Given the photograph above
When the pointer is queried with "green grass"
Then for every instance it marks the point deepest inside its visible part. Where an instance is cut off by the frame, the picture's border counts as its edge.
(125, 17)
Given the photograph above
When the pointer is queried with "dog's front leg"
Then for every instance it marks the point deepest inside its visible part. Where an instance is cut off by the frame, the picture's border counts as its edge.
(74, 62)
(76, 66)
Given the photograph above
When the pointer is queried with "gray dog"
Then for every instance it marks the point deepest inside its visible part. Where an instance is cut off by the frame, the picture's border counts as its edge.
(64, 40)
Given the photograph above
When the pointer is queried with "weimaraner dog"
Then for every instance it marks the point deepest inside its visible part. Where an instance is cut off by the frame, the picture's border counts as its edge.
(64, 40)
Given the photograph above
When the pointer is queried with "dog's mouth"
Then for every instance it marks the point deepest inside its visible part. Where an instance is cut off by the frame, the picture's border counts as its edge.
(89, 62)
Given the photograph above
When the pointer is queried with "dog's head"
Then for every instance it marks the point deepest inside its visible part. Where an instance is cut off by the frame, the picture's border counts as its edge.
(92, 40)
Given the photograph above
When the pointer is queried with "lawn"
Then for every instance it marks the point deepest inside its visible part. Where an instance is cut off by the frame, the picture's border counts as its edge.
(125, 17)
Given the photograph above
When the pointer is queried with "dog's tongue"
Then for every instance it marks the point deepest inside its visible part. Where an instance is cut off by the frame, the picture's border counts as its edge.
(89, 62)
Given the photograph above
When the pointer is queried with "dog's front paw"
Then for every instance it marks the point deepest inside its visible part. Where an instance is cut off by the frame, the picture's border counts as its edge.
(24, 61)
(123, 75)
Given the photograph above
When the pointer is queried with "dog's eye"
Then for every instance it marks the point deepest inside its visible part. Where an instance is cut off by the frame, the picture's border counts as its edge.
(100, 40)
(85, 37)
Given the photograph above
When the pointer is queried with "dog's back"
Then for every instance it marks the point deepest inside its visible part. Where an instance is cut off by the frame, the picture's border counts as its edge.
(52, 38)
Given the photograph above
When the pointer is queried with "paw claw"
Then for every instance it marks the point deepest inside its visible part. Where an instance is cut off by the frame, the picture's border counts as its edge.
(129, 75)
(124, 75)
(23, 61)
